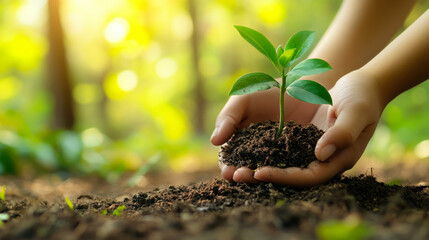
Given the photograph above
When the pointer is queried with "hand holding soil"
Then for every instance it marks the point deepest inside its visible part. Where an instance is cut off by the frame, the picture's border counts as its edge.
(350, 123)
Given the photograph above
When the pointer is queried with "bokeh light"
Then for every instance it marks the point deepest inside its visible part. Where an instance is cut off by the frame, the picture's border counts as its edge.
(117, 30)
(127, 80)
(166, 68)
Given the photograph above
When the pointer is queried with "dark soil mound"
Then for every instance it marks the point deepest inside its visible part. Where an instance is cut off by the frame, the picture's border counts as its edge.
(221, 210)
(361, 193)
(257, 146)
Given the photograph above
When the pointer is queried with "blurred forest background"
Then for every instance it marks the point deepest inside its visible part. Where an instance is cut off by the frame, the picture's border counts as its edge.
(106, 87)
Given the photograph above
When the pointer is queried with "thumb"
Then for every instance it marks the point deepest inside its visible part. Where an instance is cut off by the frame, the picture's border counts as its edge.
(347, 128)
(228, 120)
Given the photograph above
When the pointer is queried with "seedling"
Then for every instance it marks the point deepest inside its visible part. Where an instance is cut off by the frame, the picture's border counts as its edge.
(118, 211)
(3, 192)
(69, 203)
(3, 217)
(350, 228)
(283, 59)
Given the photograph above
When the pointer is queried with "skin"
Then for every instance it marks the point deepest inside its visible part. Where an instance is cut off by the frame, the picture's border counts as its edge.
(359, 97)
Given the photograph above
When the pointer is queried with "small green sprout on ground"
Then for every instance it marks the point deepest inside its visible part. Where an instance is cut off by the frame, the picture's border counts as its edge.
(3, 217)
(350, 228)
(283, 59)
(118, 211)
(69, 203)
(394, 182)
(2, 193)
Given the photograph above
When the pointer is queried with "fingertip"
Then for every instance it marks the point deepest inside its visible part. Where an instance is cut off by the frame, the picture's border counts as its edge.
(245, 175)
(262, 174)
(227, 172)
(214, 138)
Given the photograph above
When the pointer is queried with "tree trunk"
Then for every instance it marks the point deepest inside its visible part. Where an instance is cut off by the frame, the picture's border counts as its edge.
(198, 90)
(58, 78)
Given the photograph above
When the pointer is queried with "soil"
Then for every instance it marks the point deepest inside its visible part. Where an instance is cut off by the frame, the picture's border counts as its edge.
(257, 146)
(215, 209)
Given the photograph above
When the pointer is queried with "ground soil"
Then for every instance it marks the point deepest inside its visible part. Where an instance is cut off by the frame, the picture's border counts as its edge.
(213, 209)
(258, 145)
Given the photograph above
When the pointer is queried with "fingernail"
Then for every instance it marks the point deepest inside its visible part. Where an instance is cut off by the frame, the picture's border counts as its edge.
(327, 152)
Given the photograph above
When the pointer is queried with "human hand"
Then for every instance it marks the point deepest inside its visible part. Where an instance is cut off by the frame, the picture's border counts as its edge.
(349, 125)
(242, 110)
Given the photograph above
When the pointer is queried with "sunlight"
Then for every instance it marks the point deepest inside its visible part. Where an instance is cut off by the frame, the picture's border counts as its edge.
(112, 89)
(127, 80)
(166, 68)
(30, 13)
(271, 12)
(422, 149)
(182, 26)
(117, 30)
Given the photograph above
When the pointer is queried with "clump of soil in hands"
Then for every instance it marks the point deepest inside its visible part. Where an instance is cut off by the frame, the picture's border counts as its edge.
(257, 146)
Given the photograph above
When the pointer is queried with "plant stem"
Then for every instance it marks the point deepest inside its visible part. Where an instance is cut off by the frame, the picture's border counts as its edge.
(282, 104)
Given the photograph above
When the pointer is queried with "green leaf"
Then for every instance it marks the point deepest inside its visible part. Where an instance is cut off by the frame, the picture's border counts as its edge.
(279, 51)
(118, 211)
(259, 41)
(4, 217)
(286, 57)
(347, 229)
(310, 67)
(2, 193)
(253, 82)
(309, 91)
(301, 41)
(291, 78)
(69, 203)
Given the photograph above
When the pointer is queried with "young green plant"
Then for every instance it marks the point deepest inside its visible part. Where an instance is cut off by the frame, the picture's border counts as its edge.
(69, 203)
(283, 59)
(3, 192)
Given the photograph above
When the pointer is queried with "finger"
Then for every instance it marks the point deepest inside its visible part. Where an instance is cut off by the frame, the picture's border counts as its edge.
(245, 175)
(347, 127)
(316, 173)
(228, 119)
(227, 171)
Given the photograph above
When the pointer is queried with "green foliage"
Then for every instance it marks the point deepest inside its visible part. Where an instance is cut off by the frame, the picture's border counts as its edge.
(253, 82)
(103, 212)
(304, 90)
(2, 193)
(309, 91)
(301, 41)
(286, 58)
(118, 211)
(280, 202)
(310, 67)
(394, 182)
(259, 41)
(338, 230)
(69, 204)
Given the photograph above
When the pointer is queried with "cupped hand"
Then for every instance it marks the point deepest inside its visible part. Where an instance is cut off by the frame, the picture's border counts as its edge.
(242, 110)
(349, 125)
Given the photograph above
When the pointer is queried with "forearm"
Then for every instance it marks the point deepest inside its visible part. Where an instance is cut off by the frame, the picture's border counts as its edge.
(404, 63)
(359, 31)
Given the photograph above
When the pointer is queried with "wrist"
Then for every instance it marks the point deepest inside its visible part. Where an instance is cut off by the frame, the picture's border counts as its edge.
(376, 84)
